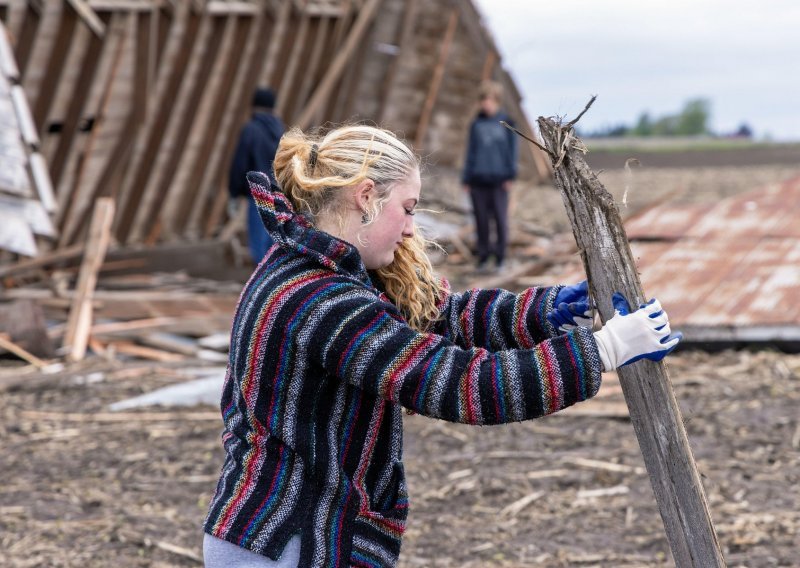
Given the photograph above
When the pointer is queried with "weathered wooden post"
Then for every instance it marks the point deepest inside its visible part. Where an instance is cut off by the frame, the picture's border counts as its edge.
(654, 411)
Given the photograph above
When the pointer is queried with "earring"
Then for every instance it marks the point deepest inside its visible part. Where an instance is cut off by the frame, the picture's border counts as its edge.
(364, 219)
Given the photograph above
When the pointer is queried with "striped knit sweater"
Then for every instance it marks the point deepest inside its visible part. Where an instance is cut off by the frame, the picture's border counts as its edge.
(321, 363)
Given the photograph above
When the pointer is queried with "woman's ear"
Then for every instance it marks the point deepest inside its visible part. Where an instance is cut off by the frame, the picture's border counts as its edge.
(364, 194)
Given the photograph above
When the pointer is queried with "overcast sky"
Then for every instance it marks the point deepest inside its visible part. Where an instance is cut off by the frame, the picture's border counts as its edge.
(652, 55)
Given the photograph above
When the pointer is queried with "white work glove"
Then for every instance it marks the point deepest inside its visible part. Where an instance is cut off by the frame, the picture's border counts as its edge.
(628, 337)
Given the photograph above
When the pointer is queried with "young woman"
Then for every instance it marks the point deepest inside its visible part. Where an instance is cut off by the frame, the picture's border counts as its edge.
(342, 325)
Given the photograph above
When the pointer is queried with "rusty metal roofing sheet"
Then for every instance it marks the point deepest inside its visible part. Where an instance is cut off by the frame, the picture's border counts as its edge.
(725, 271)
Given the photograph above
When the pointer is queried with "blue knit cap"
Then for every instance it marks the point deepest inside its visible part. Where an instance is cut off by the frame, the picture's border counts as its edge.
(264, 97)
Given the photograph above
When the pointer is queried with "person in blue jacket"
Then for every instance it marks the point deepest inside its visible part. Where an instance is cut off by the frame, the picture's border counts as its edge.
(255, 151)
(489, 168)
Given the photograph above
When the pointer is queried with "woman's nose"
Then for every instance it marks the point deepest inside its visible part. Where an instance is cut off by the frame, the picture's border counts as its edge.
(408, 230)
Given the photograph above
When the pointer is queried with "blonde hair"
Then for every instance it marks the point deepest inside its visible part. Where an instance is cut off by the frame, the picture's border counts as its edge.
(311, 169)
(491, 89)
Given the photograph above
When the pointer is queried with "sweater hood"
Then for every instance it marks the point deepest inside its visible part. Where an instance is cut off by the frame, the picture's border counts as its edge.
(294, 231)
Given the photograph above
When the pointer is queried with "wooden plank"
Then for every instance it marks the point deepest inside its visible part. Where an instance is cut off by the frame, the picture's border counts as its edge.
(77, 104)
(8, 345)
(267, 75)
(16, 235)
(343, 25)
(172, 77)
(32, 264)
(656, 417)
(325, 86)
(55, 67)
(8, 64)
(346, 92)
(89, 17)
(312, 65)
(140, 351)
(298, 51)
(122, 6)
(27, 125)
(259, 42)
(403, 44)
(195, 192)
(69, 197)
(27, 35)
(207, 57)
(41, 181)
(231, 8)
(80, 315)
(436, 81)
(109, 181)
(488, 65)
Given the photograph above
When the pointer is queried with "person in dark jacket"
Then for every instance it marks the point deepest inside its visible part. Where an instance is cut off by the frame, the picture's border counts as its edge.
(255, 151)
(344, 324)
(489, 168)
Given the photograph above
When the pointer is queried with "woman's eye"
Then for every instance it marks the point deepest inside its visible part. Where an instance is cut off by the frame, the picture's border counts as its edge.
(410, 211)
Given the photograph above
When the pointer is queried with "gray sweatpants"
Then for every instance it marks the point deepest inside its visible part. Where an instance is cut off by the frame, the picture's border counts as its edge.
(218, 553)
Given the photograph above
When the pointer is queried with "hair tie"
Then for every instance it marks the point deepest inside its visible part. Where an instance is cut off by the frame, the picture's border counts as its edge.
(313, 160)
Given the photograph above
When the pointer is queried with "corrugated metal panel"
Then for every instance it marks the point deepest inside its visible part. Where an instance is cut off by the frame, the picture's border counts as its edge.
(725, 271)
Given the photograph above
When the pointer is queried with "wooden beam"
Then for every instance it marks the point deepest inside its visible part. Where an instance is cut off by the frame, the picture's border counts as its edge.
(298, 52)
(80, 316)
(403, 40)
(274, 49)
(107, 184)
(142, 168)
(261, 40)
(338, 37)
(70, 198)
(121, 5)
(488, 65)
(55, 67)
(41, 181)
(77, 103)
(223, 8)
(436, 81)
(8, 64)
(207, 57)
(312, 65)
(27, 125)
(27, 35)
(89, 17)
(41, 261)
(194, 191)
(656, 417)
(323, 90)
(345, 93)
(7, 345)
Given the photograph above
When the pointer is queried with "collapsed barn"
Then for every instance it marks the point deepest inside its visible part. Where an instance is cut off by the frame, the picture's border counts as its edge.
(141, 100)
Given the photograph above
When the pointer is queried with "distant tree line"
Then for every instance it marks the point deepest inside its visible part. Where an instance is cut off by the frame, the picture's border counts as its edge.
(692, 120)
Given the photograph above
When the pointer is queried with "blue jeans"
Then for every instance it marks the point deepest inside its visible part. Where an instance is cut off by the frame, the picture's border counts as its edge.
(218, 553)
(258, 239)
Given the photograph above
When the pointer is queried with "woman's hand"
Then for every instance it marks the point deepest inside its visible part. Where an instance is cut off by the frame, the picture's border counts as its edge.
(572, 308)
(630, 336)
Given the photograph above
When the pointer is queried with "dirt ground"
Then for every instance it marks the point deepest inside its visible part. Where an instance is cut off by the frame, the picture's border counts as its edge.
(83, 486)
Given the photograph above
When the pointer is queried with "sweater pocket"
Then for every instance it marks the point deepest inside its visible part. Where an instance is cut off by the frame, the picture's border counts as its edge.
(378, 532)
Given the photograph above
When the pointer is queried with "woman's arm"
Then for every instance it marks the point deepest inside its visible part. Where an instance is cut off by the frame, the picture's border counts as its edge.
(364, 341)
(497, 319)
